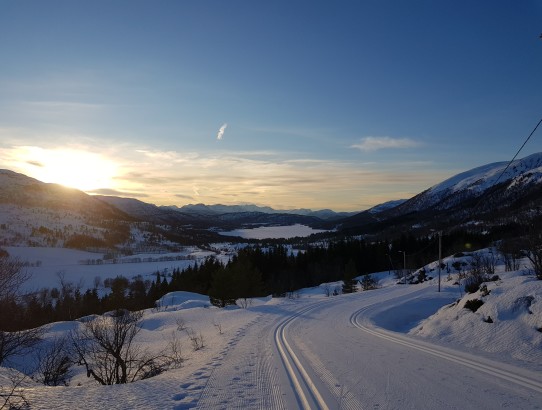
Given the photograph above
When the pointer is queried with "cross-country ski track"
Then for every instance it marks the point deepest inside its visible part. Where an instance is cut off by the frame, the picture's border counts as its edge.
(336, 358)
(327, 354)
(316, 352)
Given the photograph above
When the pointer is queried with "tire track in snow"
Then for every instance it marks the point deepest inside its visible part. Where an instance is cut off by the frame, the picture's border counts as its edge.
(461, 358)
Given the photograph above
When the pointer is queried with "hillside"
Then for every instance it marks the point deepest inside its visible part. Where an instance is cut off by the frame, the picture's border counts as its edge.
(39, 214)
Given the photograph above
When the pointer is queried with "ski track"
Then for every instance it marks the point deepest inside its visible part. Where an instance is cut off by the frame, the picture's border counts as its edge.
(306, 392)
(241, 376)
(470, 361)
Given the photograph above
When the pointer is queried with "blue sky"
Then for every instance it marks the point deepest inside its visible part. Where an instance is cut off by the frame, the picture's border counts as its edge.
(339, 105)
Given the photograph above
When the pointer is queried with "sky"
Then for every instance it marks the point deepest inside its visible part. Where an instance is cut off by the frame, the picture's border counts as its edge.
(289, 104)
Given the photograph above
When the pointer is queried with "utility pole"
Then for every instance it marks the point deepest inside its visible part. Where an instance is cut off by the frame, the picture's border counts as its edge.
(439, 257)
(404, 265)
(389, 258)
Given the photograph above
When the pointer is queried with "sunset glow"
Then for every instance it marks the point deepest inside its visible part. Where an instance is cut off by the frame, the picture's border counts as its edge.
(69, 167)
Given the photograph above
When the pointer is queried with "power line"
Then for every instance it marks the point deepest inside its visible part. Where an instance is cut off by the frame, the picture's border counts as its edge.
(519, 150)
(505, 168)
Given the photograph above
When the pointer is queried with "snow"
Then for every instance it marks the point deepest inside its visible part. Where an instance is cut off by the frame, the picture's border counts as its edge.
(45, 265)
(481, 178)
(515, 316)
(274, 232)
(399, 346)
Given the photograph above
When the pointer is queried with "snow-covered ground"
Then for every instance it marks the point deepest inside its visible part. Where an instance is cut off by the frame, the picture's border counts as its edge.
(407, 347)
(45, 264)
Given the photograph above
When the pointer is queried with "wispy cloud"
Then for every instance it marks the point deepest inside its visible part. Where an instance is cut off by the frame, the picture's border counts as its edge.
(35, 163)
(115, 192)
(221, 131)
(189, 197)
(369, 144)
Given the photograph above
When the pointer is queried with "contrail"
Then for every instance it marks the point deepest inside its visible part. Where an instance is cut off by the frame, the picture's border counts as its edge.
(221, 131)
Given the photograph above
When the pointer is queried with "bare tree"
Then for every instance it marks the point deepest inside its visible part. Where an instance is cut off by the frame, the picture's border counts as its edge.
(54, 363)
(511, 253)
(11, 396)
(175, 351)
(12, 276)
(106, 347)
(12, 340)
(18, 342)
(533, 246)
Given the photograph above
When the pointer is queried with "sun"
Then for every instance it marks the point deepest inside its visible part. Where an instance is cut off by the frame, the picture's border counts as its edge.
(80, 169)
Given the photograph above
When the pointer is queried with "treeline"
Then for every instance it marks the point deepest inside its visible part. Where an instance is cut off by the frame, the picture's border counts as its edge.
(253, 272)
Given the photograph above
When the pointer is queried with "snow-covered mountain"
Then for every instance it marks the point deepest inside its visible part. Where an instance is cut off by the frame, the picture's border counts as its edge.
(24, 191)
(39, 214)
(520, 174)
(495, 193)
(386, 205)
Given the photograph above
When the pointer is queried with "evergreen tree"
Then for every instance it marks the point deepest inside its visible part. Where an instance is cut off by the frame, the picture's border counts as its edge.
(222, 292)
(349, 281)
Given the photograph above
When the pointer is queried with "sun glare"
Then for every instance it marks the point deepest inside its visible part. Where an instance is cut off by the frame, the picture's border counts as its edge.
(78, 169)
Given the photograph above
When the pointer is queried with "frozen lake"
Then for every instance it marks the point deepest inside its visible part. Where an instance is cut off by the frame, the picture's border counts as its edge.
(274, 232)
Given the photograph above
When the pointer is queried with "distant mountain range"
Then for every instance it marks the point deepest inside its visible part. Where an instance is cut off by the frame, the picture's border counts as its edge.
(40, 214)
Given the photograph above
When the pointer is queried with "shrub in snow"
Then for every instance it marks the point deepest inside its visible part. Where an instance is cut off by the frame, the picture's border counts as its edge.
(473, 304)
(196, 339)
(368, 282)
(534, 251)
(472, 283)
(511, 254)
(54, 363)
(422, 275)
(484, 291)
(106, 347)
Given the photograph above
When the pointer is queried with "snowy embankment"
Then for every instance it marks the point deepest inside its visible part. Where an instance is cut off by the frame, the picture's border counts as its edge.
(508, 323)
(243, 359)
